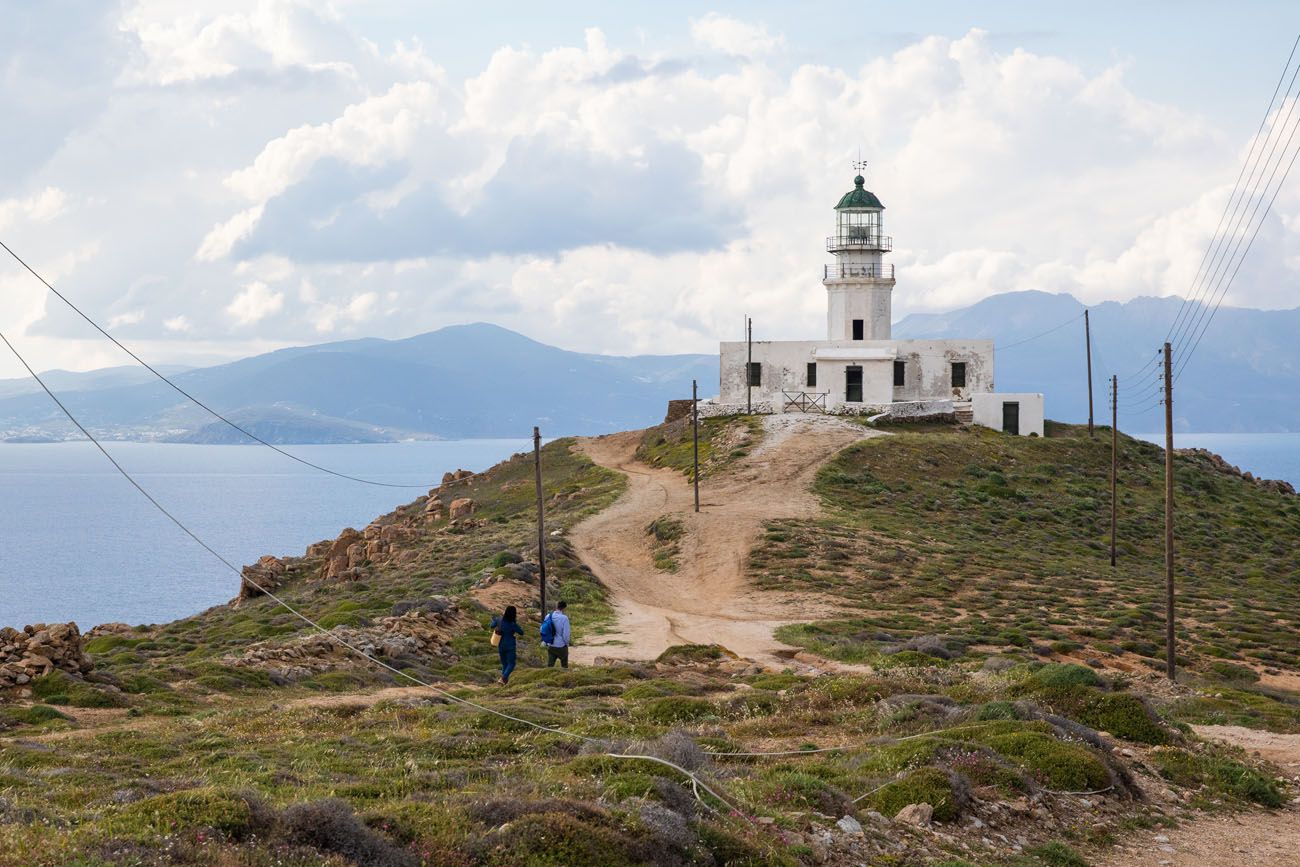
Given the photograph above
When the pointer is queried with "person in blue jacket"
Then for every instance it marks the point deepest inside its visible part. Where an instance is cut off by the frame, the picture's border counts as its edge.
(507, 627)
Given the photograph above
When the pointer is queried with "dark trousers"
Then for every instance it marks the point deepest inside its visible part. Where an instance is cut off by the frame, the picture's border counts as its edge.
(554, 653)
(507, 661)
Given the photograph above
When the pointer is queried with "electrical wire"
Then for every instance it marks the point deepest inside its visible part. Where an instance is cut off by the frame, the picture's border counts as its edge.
(696, 782)
(1236, 187)
(1043, 334)
(1223, 292)
(192, 398)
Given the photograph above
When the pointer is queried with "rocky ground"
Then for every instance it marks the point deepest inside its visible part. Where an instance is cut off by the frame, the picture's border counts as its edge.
(242, 737)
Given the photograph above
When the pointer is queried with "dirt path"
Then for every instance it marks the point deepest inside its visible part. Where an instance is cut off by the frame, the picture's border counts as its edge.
(709, 600)
(1282, 750)
(1258, 839)
(1262, 838)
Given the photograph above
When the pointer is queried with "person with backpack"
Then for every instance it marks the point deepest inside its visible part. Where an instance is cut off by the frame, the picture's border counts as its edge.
(556, 636)
(504, 630)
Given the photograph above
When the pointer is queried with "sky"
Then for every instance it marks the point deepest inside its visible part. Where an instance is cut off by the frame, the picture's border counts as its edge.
(212, 180)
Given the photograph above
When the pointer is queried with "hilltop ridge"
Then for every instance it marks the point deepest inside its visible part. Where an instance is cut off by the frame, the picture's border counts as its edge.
(980, 686)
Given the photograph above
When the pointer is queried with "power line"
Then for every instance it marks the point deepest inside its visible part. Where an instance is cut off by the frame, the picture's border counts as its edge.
(1074, 318)
(1223, 291)
(1223, 263)
(1236, 187)
(189, 396)
(696, 782)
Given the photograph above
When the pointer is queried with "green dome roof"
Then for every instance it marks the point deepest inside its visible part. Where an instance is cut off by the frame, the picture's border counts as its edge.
(858, 197)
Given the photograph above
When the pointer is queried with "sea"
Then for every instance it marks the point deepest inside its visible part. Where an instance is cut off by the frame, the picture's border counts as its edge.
(1266, 455)
(78, 542)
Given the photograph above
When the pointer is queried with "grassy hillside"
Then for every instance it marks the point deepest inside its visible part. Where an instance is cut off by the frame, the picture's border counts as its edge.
(1000, 545)
(171, 752)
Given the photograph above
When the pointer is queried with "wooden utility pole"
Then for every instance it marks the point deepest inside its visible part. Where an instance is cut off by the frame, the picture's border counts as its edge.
(541, 516)
(1087, 339)
(749, 366)
(1170, 668)
(695, 440)
(1114, 460)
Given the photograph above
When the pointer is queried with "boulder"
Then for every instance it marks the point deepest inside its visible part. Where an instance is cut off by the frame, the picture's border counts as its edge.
(462, 508)
(266, 574)
(915, 814)
(337, 558)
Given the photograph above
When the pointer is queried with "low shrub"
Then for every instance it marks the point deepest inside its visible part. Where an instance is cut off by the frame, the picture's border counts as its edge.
(1056, 674)
(1051, 762)
(1121, 714)
(60, 688)
(231, 814)
(330, 826)
(922, 786)
(1057, 854)
(679, 653)
(677, 708)
(1226, 776)
(12, 717)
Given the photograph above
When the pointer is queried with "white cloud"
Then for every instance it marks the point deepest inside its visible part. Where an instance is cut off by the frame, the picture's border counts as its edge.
(369, 133)
(733, 36)
(326, 317)
(37, 208)
(219, 241)
(178, 44)
(1001, 169)
(255, 303)
(133, 317)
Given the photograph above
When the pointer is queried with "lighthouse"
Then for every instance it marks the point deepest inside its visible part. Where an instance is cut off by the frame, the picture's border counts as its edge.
(859, 286)
(859, 368)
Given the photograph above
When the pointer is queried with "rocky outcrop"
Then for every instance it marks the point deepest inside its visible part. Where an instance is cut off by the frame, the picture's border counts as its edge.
(457, 476)
(462, 508)
(40, 649)
(1222, 466)
(266, 574)
(344, 553)
(422, 629)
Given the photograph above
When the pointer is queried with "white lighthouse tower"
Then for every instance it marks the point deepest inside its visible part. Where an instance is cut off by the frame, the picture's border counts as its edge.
(859, 286)
(859, 368)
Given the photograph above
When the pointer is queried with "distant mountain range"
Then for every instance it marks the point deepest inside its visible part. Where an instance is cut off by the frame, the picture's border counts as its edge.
(1243, 376)
(463, 381)
(485, 381)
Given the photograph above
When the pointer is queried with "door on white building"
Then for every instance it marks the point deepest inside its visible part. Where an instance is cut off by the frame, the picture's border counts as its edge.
(853, 384)
(1011, 417)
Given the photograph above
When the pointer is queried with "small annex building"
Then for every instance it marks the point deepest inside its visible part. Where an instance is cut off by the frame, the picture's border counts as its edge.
(859, 368)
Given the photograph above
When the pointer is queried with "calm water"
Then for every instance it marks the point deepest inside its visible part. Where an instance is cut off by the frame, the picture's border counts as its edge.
(1269, 456)
(77, 542)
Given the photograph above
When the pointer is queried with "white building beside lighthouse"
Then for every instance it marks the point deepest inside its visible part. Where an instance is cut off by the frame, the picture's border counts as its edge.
(859, 367)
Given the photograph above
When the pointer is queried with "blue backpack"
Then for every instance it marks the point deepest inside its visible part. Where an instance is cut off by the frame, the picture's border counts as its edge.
(548, 630)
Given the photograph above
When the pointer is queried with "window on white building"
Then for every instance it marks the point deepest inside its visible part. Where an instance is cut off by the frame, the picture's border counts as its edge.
(812, 374)
(756, 373)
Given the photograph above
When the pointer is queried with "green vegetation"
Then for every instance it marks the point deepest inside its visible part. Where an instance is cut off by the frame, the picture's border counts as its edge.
(984, 685)
(923, 786)
(723, 440)
(1001, 543)
(667, 533)
(437, 561)
(1224, 776)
